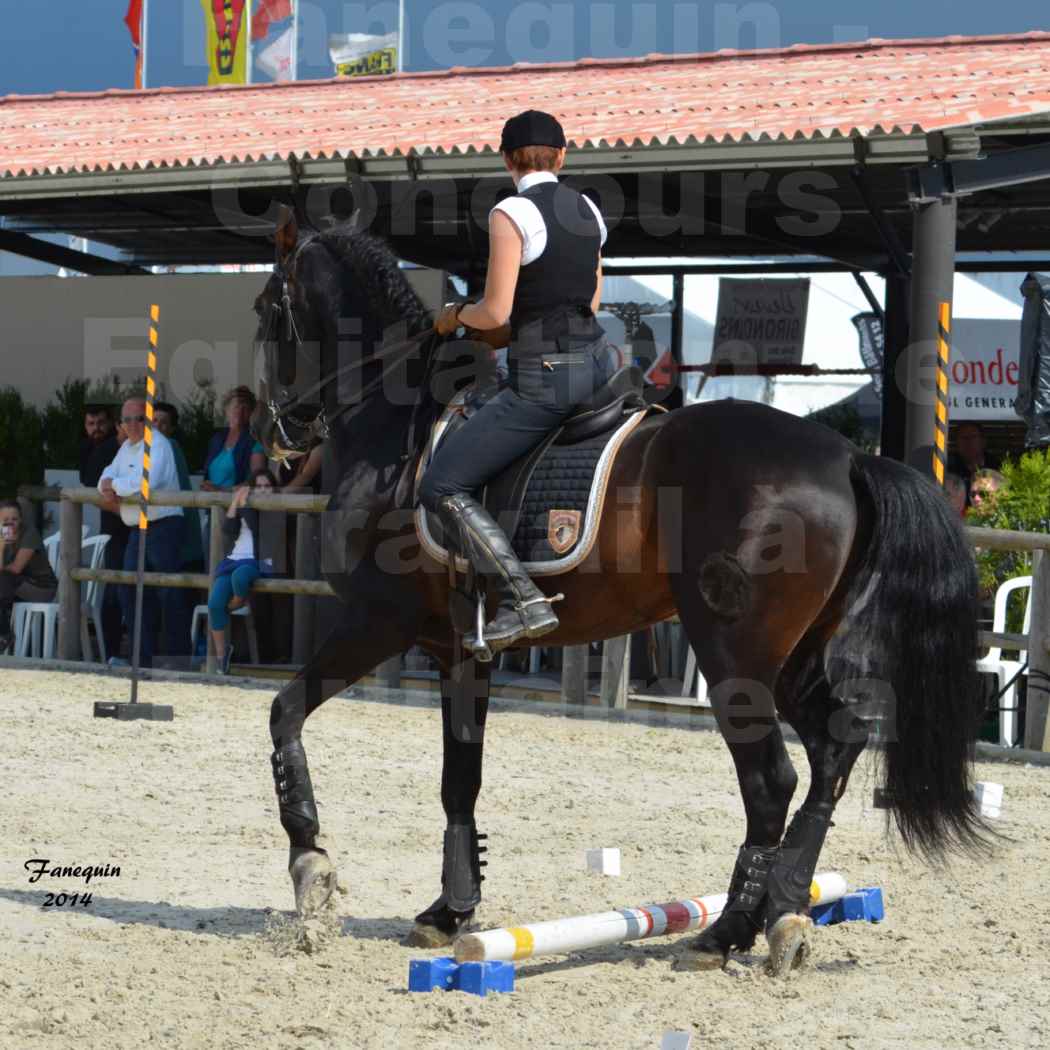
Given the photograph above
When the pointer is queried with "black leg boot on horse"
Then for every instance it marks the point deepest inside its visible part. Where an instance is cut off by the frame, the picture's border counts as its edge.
(523, 610)
(464, 709)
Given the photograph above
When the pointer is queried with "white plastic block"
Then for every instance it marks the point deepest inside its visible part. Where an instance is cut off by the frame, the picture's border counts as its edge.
(604, 861)
(989, 798)
(676, 1041)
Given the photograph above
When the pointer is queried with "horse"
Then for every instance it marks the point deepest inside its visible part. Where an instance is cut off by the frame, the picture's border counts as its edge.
(818, 586)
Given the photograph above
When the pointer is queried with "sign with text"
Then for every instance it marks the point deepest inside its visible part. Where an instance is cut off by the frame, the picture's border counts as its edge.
(984, 370)
(363, 54)
(761, 321)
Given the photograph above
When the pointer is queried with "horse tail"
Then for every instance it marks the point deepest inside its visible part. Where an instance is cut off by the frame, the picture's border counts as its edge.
(911, 621)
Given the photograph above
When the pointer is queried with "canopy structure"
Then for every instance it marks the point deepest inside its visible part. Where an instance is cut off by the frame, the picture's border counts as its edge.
(737, 154)
(884, 156)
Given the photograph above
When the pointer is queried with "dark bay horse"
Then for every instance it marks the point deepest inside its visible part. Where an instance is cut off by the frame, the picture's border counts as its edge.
(817, 585)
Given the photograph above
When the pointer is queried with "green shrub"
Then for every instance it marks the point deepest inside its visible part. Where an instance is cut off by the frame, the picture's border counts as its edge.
(197, 423)
(1023, 503)
(21, 443)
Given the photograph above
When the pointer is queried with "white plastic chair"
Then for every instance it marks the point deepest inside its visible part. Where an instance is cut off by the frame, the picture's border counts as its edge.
(1005, 670)
(701, 682)
(92, 596)
(37, 622)
(200, 613)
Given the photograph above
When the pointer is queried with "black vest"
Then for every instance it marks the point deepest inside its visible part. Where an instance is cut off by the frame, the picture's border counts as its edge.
(553, 296)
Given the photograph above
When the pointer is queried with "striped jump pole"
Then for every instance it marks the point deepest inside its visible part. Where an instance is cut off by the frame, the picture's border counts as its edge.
(940, 436)
(561, 936)
(136, 710)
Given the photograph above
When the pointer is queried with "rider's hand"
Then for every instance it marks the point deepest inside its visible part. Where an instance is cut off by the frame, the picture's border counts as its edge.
(494, 338)
(447, 321)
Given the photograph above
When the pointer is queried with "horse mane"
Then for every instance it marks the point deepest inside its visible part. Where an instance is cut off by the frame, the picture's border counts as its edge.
(382, 280)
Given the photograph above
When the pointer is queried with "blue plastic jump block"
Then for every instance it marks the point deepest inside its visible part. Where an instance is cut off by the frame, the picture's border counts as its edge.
(478, 978)
(860, 906)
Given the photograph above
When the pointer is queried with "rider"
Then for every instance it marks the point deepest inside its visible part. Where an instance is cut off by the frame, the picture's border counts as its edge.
(542, 290)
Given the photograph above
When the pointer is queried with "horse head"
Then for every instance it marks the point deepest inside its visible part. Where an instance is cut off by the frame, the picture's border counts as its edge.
(294, 310)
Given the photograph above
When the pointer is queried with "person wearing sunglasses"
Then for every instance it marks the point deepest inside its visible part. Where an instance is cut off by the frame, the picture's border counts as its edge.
(123, 479)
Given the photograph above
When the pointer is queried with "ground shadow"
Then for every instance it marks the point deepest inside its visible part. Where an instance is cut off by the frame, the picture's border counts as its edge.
(227, 921)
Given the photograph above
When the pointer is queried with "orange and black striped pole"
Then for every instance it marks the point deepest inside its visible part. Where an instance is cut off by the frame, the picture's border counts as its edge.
(147, 444)
(940, 437)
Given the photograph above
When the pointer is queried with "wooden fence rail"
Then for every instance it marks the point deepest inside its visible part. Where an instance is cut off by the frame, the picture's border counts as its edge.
(616, 658)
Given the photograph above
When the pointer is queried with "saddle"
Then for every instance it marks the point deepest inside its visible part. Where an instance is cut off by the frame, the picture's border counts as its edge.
(549, 501)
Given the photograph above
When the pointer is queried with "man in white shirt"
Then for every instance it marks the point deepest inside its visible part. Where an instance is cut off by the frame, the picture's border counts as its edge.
(123, 478)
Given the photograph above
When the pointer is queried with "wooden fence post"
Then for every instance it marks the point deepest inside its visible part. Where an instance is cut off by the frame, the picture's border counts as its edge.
(1037, 724)
(616, 671)
(215, 551)
(574, 662)
(70, 517)
(303, 605)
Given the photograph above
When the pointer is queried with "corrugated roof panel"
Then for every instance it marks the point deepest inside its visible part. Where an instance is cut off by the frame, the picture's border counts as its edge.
(783, 94)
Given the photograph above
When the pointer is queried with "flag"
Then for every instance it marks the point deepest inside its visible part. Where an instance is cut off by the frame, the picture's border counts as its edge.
(268, 12)
(133, 20)
(363, 54)
(227, 48)
(275, 60)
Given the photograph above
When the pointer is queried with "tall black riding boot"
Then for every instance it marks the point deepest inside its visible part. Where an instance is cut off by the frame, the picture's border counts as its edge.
(523, 612)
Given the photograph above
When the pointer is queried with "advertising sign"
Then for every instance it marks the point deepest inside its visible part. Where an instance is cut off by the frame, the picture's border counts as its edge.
(760, 321)
(984, 370)
(363, 54)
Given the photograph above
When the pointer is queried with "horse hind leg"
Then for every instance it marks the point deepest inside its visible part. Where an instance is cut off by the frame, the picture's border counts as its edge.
(741, 692)
(834, 735)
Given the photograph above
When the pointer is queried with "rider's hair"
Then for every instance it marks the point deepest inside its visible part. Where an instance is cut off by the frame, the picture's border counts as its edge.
(533, 158)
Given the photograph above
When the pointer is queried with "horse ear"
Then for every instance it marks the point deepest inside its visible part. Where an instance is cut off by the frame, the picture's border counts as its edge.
(287, 236)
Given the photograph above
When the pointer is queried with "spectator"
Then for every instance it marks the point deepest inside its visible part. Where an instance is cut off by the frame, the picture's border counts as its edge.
(972, 448)
(166, 420)
(955, 490)
(98, 449)
(25, 572)
(252, 556)
(233, 454)
(122, 478)
(98, 427)
(986, 483)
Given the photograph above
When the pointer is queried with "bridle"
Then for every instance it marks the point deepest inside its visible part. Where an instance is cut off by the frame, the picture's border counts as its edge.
(319, 427)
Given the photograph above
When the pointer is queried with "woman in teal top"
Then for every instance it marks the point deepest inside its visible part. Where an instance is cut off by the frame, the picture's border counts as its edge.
(233, 454)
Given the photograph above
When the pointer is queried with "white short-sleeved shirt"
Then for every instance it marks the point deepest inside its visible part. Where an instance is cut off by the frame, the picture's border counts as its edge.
(527, 218)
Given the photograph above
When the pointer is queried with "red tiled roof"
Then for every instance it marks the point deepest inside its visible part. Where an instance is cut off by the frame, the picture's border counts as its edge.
(801, 91)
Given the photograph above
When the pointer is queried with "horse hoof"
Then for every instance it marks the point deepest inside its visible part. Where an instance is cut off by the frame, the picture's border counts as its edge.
(789, 944)
(314, 879)
(426, 936)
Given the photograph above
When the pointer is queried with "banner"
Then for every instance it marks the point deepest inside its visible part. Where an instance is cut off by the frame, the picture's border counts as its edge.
(872, 345)
(227, 45)
(984, 370)
(133, 20)
(265, 14)
(761, 321)
(275, 60)
(363, 54)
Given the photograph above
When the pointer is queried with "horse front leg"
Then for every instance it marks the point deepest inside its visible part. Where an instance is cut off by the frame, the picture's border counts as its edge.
(349, 652)
(465, 684)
